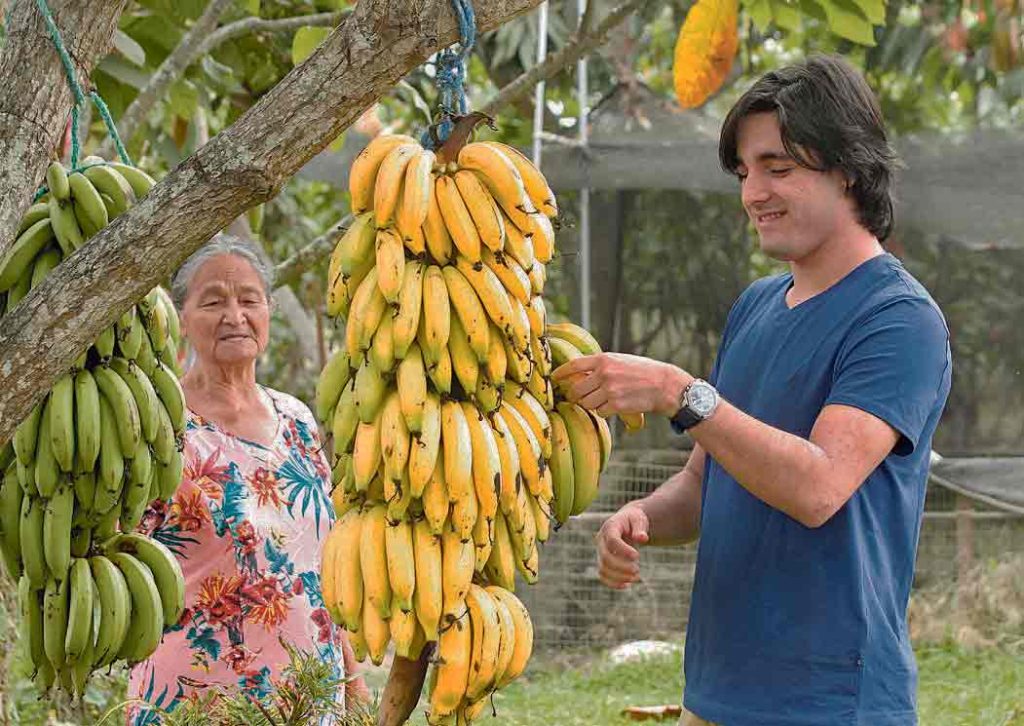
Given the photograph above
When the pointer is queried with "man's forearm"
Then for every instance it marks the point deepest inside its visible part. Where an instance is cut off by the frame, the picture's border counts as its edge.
(673, 510)
(779, 468)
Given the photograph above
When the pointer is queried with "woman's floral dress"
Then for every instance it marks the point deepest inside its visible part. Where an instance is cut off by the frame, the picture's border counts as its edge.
(247, 524)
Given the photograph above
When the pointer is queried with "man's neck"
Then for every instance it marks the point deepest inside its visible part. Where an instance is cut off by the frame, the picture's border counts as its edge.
(830, 263)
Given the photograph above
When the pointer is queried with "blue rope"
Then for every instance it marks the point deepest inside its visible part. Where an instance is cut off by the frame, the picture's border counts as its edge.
(451, 75)
(78, 94)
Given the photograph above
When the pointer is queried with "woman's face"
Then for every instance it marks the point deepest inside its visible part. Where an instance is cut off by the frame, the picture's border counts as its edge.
(226, 315)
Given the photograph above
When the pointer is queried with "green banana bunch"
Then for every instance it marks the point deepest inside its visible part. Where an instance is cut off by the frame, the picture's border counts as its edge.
(115, 609)
(147, 620)
(162, 564)
(11, 496)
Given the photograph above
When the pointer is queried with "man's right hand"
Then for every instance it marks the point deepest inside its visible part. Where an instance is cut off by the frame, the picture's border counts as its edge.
(618, 556)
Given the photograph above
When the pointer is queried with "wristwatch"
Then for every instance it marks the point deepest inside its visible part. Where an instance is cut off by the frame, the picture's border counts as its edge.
(698, 403)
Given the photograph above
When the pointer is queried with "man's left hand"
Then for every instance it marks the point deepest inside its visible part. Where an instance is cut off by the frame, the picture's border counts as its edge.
(612, 383)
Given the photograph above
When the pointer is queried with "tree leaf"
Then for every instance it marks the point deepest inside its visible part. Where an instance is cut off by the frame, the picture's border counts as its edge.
(874, 10)
(760, 12)
(125, 72)
(306, 41)
(846, 20)
(786, 15)
(252, 7)
(126, 46)
(183, 98)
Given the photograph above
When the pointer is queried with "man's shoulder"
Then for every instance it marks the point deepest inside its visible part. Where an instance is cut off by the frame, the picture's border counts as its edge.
(896, 292)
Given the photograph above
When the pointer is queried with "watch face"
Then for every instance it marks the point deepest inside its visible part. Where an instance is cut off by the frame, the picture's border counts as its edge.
(701, 398)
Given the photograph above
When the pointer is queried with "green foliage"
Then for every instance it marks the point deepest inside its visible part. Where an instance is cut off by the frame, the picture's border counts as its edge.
(306, 41)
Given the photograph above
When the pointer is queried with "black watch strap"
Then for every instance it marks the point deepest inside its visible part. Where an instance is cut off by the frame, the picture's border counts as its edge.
(684, 419)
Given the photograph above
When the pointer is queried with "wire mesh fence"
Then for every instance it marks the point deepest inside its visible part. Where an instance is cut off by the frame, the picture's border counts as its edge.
(572, 609)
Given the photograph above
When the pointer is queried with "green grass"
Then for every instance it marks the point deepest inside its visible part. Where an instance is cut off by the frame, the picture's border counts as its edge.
(957, 688)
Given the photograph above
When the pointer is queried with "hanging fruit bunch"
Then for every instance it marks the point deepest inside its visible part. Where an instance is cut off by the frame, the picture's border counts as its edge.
(80, 471)
(453, 451)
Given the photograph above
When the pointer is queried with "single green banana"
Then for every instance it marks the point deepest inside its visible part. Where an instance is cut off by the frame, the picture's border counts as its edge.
(83, 667)
(115, 607)
(106, 524)
(146, 359)
(87, 421)
(332, 381)
(55, 621)
(84, 483)
(169, 391)
(62, 422)
(104, 344)
(44, 263)
(170, 476)
(130, 333)
(6, 455)
(19, 291)
(26, 435)
(126, 414)
(57, 530)
(57, 181)
(26, 477)
(88, 204)
(165, 442)
(81, 540)
(44, 678)
(65, 225)
(140, 181)
(136, 493)
(111, 184)
(163, 564)
(15, 263)
(82, 598)
(47, 472)
(156, 328)
(11, 495)
(147, 621)
(39, 210)
(146, 399)
(110, 470)
(30, 604)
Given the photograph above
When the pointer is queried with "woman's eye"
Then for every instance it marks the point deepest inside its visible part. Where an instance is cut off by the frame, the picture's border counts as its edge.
(210, 303)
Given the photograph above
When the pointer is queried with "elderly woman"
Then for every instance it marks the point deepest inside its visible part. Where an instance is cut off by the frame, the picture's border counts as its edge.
(253, 509)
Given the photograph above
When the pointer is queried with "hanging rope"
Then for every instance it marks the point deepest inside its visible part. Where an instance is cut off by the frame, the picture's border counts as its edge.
(79, 95)
(451, 76)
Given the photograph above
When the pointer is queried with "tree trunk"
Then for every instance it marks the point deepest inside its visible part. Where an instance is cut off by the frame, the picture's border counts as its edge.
(244, 165)
(36, 99)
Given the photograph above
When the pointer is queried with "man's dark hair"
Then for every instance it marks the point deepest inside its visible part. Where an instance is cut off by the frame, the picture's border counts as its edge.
(829, 119)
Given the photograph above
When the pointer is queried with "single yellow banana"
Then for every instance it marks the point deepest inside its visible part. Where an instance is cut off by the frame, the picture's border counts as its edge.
(523, 638)
(538, 277)
(543, 234)
(390, 264)
(586, 454)
(382, 348)
(373, 562)
(451, 669)
(403, 626)
(527, 405)
(486, 462)
(465, 512)
(531, 458)
(390, 179)
(508, 455)
(437, 238)
(401, 561)
(506, 647)
(349, 569)
(486, 638)
(426, 444)
(458, 562)
(394, 438)
(540, 350)
(518, 366)
(604, 435)
(355, 247)
(412, 388)
(362, 178)
(485, 213)
(410, 306)
(562, 471)
(501, 177)
(491, 293)
(457, 218)
(464, 360)
(537, 314)
(513, 278)
(416, 190)
(458, 451)
(501, 565)
(435, 499)
(495, 367)
(483, 540)
(533, 180)
(470, 311)
(436, 316)
(366, 456)
(428, 594)
(440, 372)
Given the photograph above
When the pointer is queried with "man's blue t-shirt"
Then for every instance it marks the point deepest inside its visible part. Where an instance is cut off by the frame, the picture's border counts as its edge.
(791, 625)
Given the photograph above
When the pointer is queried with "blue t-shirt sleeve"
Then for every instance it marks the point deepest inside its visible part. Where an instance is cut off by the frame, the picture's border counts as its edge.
(893, 367)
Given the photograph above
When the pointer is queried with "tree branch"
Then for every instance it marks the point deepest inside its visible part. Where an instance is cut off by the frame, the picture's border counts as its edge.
(249, 26)
(291, 269)
(36, 98)
(168, 72)
(378, 44)
(572, 51)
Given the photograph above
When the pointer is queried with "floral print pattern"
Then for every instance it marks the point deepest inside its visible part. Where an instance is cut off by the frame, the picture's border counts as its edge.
(247, 524)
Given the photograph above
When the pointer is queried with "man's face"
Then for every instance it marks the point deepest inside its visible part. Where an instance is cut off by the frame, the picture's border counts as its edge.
(795, 209)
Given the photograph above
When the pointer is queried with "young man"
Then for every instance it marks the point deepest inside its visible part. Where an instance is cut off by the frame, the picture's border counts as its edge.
(812, 434)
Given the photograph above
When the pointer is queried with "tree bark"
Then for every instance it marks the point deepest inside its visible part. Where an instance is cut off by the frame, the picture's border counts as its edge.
(244, 165)
(36, 100)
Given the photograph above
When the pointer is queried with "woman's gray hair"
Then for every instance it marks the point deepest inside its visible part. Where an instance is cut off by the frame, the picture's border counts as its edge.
(222, 244)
